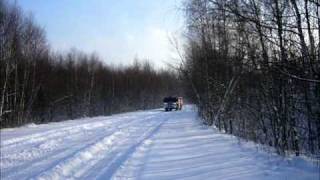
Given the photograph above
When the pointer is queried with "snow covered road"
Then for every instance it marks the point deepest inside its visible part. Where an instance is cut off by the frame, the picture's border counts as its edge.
(139, 145)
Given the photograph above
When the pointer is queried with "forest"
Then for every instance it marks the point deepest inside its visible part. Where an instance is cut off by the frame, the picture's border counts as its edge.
(38, 85)
(253, 69)
(223, 89)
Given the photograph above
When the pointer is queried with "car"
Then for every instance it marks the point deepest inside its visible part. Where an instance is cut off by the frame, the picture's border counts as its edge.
(171, 103)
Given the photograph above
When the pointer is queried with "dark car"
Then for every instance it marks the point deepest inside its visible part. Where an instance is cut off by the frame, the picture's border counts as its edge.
(170, 103)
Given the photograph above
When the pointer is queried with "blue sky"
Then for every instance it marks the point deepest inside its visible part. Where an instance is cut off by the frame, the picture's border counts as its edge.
(118, 30)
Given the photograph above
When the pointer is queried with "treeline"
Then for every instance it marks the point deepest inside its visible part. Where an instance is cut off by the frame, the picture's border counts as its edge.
(39, 86)
(252, 67)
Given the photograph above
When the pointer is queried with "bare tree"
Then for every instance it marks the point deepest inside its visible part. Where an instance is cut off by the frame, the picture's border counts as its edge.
(254, 67)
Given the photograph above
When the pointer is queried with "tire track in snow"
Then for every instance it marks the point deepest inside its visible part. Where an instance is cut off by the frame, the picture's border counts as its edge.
(118, 127)
(51, 134)
(34, 157)
(38, 150)
(140, 131)
(71, 128)
(38, 164)
(41, 141)
(117, 166)
(133, 166)
(82, 160)
(69, 167)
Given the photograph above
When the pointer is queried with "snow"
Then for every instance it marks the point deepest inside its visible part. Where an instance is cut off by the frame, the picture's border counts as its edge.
(140, 145)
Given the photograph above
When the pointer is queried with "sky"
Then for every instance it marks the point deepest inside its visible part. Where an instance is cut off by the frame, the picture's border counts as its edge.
(117, 30)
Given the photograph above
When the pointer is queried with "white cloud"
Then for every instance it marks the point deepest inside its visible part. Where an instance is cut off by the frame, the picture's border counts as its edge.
(154, 44)
(150, 43)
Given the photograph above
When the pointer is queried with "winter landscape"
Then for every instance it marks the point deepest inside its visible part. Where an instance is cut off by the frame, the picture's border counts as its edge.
(160, 89)
(140, 145)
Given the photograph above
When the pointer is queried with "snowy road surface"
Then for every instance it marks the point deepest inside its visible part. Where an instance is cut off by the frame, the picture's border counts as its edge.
(139, 145)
